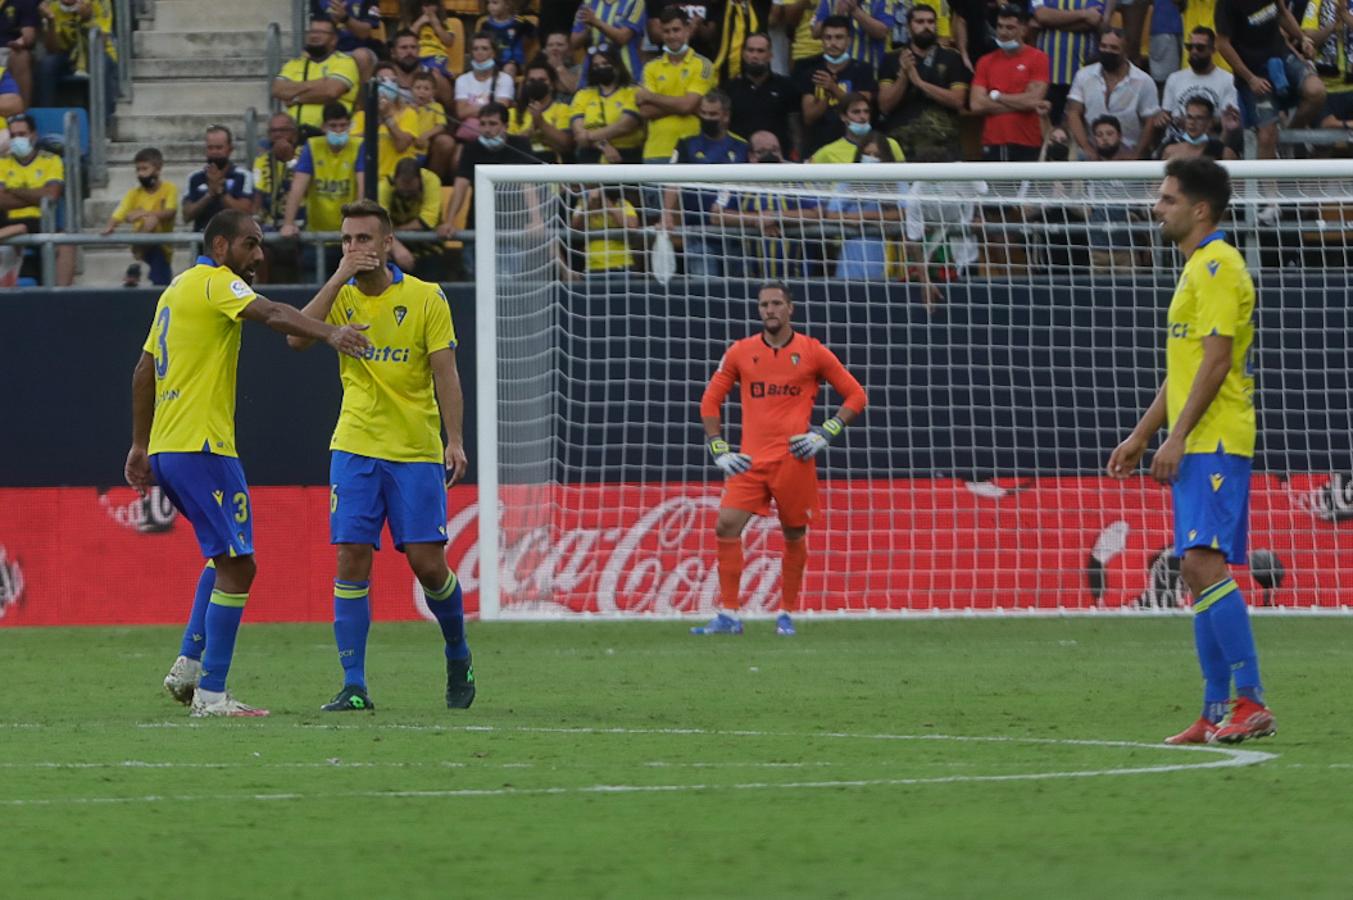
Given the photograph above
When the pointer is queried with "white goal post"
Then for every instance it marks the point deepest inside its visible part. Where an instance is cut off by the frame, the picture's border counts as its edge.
(1007, 321)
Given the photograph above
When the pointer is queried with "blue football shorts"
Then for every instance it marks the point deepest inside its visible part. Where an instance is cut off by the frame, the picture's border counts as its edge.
(365, 492)
(211, 493)
(1212, 504)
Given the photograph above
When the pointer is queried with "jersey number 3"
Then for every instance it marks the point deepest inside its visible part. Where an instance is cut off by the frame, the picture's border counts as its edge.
(162, 358)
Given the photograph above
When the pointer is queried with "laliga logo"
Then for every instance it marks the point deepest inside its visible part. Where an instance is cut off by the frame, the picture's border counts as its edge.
(647, 566)
(11, 582)
(1334, 502)
(150, 514)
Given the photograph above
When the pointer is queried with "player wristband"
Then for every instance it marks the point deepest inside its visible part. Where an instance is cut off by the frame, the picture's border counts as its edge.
(718, 447)
(833, 426)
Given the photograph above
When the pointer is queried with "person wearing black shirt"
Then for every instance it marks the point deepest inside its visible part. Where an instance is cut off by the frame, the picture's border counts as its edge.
(1269, 76)
(762, 99)
(922, 89)
(825, 80)
(493, 147)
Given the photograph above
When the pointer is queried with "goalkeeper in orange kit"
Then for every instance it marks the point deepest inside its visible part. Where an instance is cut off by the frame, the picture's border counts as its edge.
(779, 371)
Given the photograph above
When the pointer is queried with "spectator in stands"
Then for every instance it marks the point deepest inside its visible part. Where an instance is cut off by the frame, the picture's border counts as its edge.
(435, 43)
(1203, 79)
(1109, 217)
(1270, 77)
(613, 23)
(358, 22)
(324, 74)
(399, 122)
(702, 16)
(19, 33)
(328, 174)
(404, 54)
(273, 170)
(712, 146)
(151, 206)
(483, 84)
(1196, 138)
(826, 80)
(218, 185)
(413, 197)
(864, 253)
(672, 87)
(568, 73)
(1133, 13)
(760, 215)
(870, 24)
(1329, 25)
(493, 146)
(857, 122)
(1165, 45)
(28, 176)
(923, 88)
(740, 19)
(763, 100)
(540, 117)
(605, 209)
(509, 31)
(795, 19)
(604, 115)
(1009, 88)
(431, 115)
(1114, 87)
(66, 30)
(1106, 140)
(1067, 31)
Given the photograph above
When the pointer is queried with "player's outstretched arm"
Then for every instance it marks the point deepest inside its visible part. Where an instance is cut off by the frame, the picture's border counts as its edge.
(137, 468)
(451, 402)
(288, 319)
(1125, 457)
(351, 265)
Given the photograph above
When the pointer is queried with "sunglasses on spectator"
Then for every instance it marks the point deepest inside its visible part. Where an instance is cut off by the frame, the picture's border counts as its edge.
(1198, 47)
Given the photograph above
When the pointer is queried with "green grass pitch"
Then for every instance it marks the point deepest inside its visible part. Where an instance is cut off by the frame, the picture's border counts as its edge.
(630, 760)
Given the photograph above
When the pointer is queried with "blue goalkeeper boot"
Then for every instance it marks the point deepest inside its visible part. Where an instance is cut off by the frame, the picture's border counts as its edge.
(784, 626)
(723, 623)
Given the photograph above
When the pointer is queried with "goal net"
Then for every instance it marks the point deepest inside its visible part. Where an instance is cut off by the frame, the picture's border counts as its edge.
(1007, 322)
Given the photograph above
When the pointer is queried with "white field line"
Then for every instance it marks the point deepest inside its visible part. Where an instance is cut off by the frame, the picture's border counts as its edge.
(1217, 758)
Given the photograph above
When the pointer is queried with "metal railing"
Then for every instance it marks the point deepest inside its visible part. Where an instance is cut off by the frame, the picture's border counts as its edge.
(298, 17)
(98, 110)
(250, 135)
(272, 57)
(123, 25)
(74, 171)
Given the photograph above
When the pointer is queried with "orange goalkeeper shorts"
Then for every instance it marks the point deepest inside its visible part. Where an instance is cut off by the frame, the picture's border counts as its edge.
(791, 482)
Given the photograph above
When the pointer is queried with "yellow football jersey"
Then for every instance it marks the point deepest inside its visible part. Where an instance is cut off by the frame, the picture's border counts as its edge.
(333, 180)
(195, 339)
(431, 116)
(1215, 296)
(389, 405)
(407, 120)
(597, 110)
(165, 196)
(339, 65)
(41, 170)
(693, 75)
(524, 123)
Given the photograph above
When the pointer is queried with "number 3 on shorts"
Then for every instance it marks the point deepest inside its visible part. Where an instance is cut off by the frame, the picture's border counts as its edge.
(241, 501)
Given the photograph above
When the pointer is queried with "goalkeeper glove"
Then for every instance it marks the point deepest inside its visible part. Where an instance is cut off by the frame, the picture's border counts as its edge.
(816, 439)
(729, 462)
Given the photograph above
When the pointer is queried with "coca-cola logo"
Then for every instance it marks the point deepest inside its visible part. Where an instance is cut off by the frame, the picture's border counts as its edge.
(1334, 502)
(11, 582)
(150, 514)
(646, 566)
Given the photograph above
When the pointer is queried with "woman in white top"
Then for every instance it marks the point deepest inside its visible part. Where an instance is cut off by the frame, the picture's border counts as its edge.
(482, 83)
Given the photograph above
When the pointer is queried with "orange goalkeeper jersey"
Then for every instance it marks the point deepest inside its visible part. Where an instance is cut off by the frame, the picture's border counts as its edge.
(779, 386)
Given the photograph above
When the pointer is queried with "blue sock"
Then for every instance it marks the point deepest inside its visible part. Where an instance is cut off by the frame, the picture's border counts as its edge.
(1216, 673)
(195, 635)
(1230, 621)
(446, 604)
(222, 625)
(352, 621)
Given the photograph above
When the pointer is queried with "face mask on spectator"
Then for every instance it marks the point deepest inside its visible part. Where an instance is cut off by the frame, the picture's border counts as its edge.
(389, 90)
(491, 143)
(20, 146)
(755, 70)
(482, 65)
(866, 158)
(710, 127)
(678, 51)
(1009, 45)
(1111, 61)
(336, 139)
(768, 156)
(603, 75)
(149, 181)
(535, 90)
(836, 60)
(859, 129)
(1200, 139)
(924, 39)
(1059, 152)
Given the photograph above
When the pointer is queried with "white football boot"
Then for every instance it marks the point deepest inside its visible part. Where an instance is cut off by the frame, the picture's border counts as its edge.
(210, 703)
(182, 679)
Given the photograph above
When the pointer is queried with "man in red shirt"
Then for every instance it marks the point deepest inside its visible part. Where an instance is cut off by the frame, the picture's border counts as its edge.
(1009, 89)
(780, 371)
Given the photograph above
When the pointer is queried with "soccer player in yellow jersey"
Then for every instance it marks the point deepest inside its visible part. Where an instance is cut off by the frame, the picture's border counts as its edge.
(1207, 402)
(388, 462)
(183, 438)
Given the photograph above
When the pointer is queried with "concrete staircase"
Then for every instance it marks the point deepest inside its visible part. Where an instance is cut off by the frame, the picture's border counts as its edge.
(196, 63)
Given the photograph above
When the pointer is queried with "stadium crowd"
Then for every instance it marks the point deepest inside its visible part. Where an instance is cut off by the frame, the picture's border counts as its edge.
(463, 83)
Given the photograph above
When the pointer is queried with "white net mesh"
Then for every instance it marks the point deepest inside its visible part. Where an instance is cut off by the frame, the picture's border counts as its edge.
(1008, 332)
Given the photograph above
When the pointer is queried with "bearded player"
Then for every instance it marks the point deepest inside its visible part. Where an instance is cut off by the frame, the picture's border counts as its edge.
(1207, 402)
(780, 371)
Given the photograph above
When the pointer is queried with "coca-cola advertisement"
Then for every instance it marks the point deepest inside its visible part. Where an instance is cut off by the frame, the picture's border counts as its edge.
(90, 556)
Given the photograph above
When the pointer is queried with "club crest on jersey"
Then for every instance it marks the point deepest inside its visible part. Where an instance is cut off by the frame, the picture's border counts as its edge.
(794, 358)
(400, 313)
(1212, 268)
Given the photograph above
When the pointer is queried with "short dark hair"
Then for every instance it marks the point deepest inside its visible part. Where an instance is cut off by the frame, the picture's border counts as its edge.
(422, 75)
(408, 168)
(334, 110)
(1202, 180)
(1203, 101)
(836, 22)
(924, 7)
(776, 286)
(26, 119)
(402, 33)
(609, 52)
(756, 34)
(851, 99)
(363, 209)
(1012, 11)
(228, 224)
(715, 95)
(672, 13)
(150, 155)
(219, 129)
(1205, 32)
(1107, 120)
(494, 108)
